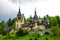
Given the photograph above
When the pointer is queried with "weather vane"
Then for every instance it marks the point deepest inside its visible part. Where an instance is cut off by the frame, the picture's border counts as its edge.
(19, 3)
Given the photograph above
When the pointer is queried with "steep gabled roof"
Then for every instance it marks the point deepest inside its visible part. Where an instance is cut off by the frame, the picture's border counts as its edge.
(35, 15)
(19, 13)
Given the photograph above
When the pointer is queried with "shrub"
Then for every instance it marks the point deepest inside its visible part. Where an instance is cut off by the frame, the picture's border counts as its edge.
(55, 31)
(35, 39)
(38, 35)
(46, 38)
(21, 32)
(30, 38)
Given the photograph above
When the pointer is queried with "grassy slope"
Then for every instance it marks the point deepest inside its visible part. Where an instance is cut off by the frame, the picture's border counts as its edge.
(27, 37)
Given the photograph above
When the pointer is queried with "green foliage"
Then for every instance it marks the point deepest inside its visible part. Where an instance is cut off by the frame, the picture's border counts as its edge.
(2, 25)
(35, 38)
(27, 37)
(28, 19)
(13, 21)
(21, 32)
(46, 38)
(9, 22)
(58, 19)
(30, 38)
(38, 36)
(55, 31)
(4, 33)
(14, 25)
(53, 22)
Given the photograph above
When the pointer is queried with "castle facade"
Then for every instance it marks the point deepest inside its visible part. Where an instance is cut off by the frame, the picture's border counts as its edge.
(34, 23)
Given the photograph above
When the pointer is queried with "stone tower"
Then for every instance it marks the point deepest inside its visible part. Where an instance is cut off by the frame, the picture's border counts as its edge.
(35, 19)
(19, 19)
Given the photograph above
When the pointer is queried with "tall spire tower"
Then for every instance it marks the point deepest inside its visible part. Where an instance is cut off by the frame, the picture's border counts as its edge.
(35, 19)
(20, 19)
(19, 12)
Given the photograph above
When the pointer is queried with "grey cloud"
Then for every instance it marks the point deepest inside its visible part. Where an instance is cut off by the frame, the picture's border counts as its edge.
(22, 0)
(26, 1)
(5, 15)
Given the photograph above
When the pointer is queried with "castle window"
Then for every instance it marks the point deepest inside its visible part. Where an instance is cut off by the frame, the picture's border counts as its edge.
(21, 20)
(17, 25)
(17, 20)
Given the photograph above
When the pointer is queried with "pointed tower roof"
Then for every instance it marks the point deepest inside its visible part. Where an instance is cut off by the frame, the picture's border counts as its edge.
(23, 16)
(35, 15)
(19, 13)
(30, 16)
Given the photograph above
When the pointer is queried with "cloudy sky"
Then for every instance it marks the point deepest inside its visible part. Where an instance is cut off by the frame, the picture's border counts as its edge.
(9, 8)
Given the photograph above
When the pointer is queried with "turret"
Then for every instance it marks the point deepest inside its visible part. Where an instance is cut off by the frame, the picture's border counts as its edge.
(20, 19)
(35, 15)
(19, 14)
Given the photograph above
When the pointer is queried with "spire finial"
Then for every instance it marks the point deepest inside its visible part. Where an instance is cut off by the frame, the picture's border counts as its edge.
(35, 9)
(19, 4)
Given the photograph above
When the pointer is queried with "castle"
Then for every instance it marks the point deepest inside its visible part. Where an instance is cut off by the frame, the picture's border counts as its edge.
(34, 23)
